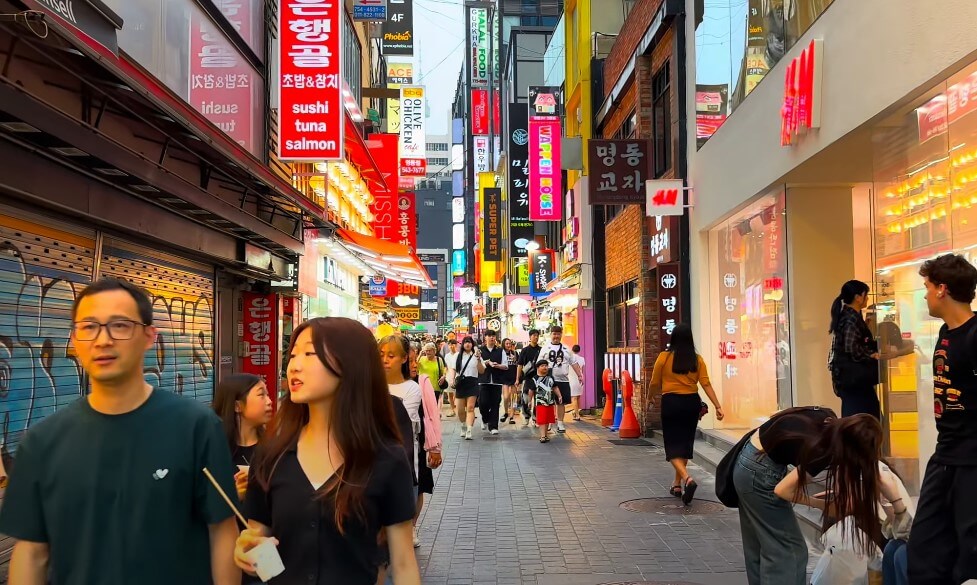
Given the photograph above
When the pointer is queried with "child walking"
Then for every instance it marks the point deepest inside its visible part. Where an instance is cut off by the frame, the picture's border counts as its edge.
(545, 398)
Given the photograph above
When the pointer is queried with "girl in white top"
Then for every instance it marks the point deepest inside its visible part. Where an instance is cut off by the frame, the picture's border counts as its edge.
(466, 367)
(576, 384)
(395, 357)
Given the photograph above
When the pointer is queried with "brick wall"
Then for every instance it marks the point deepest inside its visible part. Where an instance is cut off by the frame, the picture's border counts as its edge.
(631, 229)
(627, 41)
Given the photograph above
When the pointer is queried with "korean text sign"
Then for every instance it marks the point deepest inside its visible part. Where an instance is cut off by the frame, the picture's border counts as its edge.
(669, 299)
(521, 230)
(545, 178)
(618, 171)
(310, 83)
(222, 83)
(541, 266)
(407, 220)
(260, 324)
(413, 154)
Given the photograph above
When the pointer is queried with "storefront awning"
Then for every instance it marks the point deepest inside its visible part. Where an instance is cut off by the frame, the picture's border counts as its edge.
(358, 153)
(395, 261)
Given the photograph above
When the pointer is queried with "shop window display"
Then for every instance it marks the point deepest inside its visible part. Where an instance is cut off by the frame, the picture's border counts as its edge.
(925, 204)
(750, 306)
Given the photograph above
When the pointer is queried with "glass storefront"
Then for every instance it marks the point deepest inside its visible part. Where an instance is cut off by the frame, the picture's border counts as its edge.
(737, 42)
(750, 306)
(925, 204)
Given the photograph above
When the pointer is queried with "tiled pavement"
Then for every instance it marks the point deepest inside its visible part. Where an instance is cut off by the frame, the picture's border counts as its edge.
(508, 510)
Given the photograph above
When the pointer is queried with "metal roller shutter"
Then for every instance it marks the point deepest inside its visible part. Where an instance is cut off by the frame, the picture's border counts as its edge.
(43, 265)
(183, 311)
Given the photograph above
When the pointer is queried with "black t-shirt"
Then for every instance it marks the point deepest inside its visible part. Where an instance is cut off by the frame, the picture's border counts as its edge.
(784, 435)
(955, 395)
(121, 499)
(312, 549)
(243, 455)
(527, 359)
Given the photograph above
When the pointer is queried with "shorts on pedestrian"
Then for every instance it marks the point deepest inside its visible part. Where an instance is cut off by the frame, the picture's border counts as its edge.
(576, 389)
(565, 393)
(545, 415)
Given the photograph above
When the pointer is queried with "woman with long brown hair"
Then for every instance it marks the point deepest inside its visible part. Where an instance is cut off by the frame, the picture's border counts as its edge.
(814, 440)
(243, 404)
(331, 471)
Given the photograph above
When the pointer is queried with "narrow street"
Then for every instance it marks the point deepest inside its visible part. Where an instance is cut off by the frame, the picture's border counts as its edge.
(508, 510)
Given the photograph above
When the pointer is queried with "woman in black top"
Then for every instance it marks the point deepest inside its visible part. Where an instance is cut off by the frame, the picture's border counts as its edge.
(331, 471)
(813, 440)
(854, 358)
(243, 404)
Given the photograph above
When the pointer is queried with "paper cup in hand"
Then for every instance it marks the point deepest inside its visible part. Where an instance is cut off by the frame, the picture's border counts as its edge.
(244, 468)
(266, 560)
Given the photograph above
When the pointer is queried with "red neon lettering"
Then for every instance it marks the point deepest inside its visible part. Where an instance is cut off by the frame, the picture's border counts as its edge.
(665, 197)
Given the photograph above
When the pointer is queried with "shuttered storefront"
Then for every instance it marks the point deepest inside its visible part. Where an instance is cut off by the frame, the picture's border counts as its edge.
(43, 265)
(183, 311)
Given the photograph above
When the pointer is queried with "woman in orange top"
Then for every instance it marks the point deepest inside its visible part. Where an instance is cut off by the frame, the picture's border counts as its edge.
(678, 373)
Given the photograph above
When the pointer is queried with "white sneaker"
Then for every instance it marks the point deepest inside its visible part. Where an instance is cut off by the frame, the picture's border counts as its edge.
(468, 435)
(462, 433)
(417, 540)
(494, 432)
(560, 428)
(484, 427)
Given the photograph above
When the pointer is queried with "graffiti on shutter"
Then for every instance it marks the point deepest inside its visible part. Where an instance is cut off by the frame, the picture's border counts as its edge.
(183, 313)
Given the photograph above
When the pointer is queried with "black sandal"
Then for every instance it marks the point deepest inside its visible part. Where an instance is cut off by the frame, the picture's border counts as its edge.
(690, 487)
(676, 491)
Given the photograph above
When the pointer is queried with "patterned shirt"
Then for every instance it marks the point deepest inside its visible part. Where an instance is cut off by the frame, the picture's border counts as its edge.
(852, 337)
(543, 387)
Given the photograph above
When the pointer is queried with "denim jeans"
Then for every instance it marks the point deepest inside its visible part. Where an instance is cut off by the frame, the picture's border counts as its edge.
(895, 570)
(774, 548)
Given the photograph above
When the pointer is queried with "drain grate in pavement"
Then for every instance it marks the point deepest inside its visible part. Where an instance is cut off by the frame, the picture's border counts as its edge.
(631, 442)
(672, 506)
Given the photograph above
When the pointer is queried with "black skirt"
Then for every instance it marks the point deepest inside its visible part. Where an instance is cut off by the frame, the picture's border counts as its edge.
(680, 417)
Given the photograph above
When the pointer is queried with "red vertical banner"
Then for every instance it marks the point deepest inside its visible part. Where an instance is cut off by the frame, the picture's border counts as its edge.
(385, 202)
(311, 107)
(260, 324)
(222, 84)
(480, 112)
(407, 220)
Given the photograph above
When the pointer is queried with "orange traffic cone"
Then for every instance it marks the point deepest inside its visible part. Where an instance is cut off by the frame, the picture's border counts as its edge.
(607, 419)
(629, 422)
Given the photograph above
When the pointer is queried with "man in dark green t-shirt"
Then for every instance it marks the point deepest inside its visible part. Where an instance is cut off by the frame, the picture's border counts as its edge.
(110, 490)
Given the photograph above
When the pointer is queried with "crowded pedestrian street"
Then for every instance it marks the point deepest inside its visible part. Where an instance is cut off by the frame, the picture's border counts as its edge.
(509, 511)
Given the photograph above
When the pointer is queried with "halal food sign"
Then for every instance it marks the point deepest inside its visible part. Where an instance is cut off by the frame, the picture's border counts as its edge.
(478, 33)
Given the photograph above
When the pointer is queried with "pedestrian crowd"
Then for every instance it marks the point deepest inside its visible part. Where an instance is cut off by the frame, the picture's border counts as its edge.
(327, 486)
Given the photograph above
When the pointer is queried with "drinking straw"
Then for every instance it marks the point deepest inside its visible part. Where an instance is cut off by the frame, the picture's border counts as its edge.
(224, 495)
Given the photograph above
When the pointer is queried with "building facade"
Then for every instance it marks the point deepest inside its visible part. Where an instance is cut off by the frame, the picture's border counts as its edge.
(861, 172)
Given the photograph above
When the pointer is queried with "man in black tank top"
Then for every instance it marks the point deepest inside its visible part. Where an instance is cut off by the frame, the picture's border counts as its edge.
(943, 542)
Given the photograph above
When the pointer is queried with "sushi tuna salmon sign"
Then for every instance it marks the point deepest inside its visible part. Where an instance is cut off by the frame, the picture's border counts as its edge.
(309, 83)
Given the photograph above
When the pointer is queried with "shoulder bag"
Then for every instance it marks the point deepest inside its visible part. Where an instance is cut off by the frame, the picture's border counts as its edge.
(461, 371)
(725, 489)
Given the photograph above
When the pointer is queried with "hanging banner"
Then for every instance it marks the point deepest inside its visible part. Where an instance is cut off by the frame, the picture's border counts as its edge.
(398, 29)
(520, 227)
(618, 171)
(481, 146)
(407, 220)
(480, 111)
(398, 74)
(260, 328)
(492, 225)
(222, 84)
(309, 84)
(385, 202)
(545, 178)
(478, 47)
(540, 271)
(669, 298)
(413, 148)
(370, 10)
